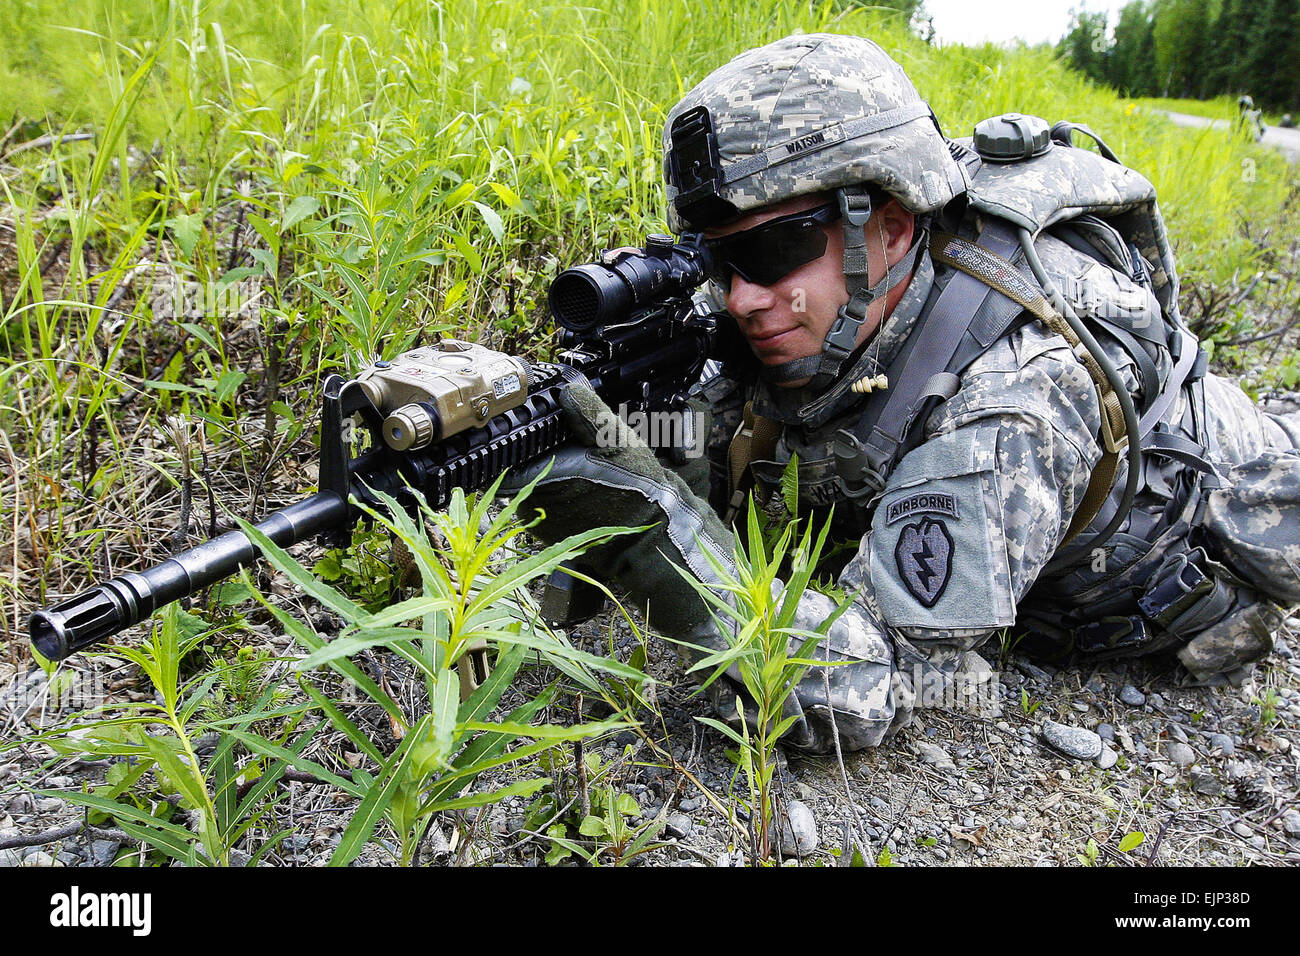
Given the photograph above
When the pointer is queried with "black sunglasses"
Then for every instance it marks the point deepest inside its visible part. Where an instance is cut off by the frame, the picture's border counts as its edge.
(771, 250)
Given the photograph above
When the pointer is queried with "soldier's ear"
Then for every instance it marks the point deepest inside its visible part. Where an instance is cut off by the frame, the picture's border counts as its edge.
(898, 227)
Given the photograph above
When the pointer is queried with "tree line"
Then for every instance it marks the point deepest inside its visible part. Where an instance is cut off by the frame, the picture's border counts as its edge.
(1193, 49)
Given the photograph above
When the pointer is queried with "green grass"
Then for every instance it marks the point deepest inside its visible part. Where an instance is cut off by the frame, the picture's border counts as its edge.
(380, 171)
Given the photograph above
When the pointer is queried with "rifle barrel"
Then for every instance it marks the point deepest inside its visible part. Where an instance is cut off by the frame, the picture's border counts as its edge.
(107, 608)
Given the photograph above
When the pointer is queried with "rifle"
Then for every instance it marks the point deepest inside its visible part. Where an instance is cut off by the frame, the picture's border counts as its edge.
(454, 415)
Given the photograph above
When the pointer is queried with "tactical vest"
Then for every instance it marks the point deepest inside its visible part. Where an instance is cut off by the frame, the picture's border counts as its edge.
(1109, 213)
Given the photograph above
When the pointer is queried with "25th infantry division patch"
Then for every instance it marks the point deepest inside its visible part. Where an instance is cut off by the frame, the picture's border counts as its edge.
(924, 558)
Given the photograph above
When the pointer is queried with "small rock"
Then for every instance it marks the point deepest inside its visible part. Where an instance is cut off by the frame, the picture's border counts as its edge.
(1161, 769)
(678, 825)
(300, 842)
(1132, 696)
(40, 858)
(103, 852)
(1222, 743)
(1079, 706)
(1106, 732)
(23, 803)
(935, 755)
(1176, 733)
(1242, 830)
(1018, 822)
(10, 858)
(1156, 701)
(690, 804)
(50, 805)
(1072, 741)
(1291, 823)
(1206, 784)
(1181, 754)
(1107, 759)
(798, 830)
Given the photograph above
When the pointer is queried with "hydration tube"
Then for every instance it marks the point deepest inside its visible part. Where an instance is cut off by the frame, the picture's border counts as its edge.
(1134, 458)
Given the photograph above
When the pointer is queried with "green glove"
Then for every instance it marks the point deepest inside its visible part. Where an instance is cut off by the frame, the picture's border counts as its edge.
(611, 477)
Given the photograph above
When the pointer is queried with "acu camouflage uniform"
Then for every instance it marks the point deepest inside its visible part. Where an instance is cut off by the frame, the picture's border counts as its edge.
(966, 537)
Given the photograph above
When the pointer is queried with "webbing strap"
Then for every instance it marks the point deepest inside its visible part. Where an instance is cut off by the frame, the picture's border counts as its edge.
(755, 440)
(1183, 367)
(876, 441)
(1184, 450)
(989, 267)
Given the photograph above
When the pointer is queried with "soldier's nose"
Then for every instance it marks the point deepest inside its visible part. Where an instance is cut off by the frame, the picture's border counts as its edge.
(745, 298)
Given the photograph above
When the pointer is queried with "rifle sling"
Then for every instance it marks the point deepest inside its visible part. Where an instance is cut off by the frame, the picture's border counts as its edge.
(755, 440)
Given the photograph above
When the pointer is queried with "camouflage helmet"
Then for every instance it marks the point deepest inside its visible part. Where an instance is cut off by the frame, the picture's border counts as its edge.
(805, 114)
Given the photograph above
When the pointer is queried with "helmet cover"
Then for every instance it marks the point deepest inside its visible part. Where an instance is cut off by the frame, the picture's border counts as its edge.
(806, 114)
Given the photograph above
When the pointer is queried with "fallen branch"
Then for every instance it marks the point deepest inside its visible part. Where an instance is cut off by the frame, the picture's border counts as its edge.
(62, 833)
(44, 142)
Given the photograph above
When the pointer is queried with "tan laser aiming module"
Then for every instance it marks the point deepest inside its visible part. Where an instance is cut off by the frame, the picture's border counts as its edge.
(435, 391)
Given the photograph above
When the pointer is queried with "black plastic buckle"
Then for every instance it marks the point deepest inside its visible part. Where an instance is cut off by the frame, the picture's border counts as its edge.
(1177, 591)
(855, 207)
(1111, 633)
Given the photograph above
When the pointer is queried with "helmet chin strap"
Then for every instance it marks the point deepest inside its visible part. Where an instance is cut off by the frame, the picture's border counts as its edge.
(842, 339)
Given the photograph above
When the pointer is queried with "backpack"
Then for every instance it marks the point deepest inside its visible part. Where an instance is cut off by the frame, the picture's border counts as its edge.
(1027, 179)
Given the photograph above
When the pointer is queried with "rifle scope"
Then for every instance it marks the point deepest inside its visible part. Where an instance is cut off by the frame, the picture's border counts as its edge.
(621, 284)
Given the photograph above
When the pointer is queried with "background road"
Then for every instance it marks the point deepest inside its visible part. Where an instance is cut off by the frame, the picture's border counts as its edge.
(1286, 141)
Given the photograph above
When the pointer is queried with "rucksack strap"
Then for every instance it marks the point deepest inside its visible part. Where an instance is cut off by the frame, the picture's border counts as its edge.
(988, 266)
(959, 323)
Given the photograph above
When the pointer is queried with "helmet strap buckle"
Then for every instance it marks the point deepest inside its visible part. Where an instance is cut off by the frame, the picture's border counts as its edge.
(855, 205)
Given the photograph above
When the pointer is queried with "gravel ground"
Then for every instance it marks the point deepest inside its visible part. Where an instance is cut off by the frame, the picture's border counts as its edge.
(1073, 761)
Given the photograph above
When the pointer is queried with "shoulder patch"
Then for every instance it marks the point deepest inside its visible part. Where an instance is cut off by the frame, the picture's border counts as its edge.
(924, 558)
(941, 503)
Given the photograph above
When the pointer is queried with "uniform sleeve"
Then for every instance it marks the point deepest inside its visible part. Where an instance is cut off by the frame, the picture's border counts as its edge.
(963, 528)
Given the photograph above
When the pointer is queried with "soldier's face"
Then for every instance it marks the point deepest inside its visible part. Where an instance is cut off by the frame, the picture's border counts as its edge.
(789, 318)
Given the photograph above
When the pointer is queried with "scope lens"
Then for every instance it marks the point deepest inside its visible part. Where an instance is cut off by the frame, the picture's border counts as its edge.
(587, 296)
